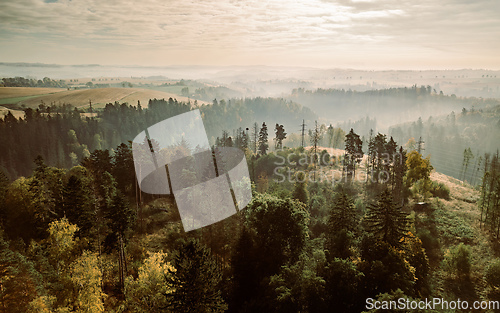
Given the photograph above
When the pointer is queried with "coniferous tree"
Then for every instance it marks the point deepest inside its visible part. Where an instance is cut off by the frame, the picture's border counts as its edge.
(343, 214)
(386, 220)
(390, 160)
(4, 184)
(263, 144)
(77, 206)
(123, 169)
(195, 281)
(353, 152)
(255, 137)
(280, 136)
(399, 170)
(120, 217)
(341, 225)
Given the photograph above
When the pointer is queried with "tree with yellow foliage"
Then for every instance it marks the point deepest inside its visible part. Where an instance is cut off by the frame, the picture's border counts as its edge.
(418, 173)
(87, 278)
(147, 292)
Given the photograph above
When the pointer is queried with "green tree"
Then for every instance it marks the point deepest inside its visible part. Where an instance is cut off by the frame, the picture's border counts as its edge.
(20, 283)
(195, 282)
(386, 220)
(279, 230)
(77, 205)
(343, 214)
(123, 169)
(120, 217)
(299, 287)
(457, 261)
(300, 191)
(263, 143)
(353, 152)
(280, 136)
(341, 225)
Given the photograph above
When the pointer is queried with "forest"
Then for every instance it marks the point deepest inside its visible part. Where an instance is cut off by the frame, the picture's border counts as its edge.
(388, 106)
(336, 217)
(64, 135)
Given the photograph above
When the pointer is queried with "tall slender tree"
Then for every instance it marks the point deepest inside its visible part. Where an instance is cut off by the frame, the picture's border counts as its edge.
(386, 220)
(263, 143)
(353, 152)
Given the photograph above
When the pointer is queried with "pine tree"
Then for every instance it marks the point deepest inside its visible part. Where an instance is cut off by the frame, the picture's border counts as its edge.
(123, 169)
(391, 157)
(263, 144)
(353, 152)
(315, 136)
(280, 136)
(120, 217)
(195, 280)
(255, 137)
(399, 170)
(386, 220)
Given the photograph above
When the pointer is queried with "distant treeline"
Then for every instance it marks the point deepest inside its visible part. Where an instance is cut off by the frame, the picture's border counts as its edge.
(456, 142)
(63, 138)
(388, 106)
(30, 82)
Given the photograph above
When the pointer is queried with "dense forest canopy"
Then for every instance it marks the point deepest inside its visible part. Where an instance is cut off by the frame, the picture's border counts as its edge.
(339, 214)
(63, 135)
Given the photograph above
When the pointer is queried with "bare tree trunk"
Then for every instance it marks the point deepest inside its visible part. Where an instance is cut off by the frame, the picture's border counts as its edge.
(121, 262)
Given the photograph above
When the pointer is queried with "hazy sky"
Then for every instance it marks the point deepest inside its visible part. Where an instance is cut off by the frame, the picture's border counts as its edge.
(416, 34)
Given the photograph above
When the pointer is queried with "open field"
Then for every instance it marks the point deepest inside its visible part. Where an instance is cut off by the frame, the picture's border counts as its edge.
(100, 96)
(15, 92)
(16, 113)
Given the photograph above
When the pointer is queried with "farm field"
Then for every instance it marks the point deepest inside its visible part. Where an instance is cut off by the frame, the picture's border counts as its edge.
(15, 92)
(80, 98)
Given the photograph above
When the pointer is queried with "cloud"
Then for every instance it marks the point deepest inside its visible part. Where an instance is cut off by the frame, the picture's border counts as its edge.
(192, 30)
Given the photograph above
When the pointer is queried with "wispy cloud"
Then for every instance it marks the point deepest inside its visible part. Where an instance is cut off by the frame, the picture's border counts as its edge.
(232, 31)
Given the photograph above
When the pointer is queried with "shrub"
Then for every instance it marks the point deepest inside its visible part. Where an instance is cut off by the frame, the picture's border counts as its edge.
(492, 274)
(440, 190)
(457, 261)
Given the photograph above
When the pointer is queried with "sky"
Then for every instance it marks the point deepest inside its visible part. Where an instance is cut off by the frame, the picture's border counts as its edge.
(363, 34)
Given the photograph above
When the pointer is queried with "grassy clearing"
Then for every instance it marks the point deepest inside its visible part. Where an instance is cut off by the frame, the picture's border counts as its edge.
(448, 223)
(16, 99)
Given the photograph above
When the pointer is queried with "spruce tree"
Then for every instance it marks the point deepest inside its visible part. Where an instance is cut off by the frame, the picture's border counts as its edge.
(263, 144)
(342, 214)
(386, 220)
(195, 280)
